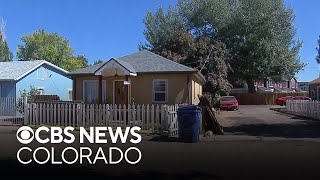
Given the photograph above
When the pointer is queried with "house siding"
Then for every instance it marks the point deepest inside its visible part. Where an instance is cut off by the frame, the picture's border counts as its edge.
(178, 88)
(7, 89)
(284, 84)
(141, 87)
(196, 89)
(50, 79)
(314, 91)
(304, 86)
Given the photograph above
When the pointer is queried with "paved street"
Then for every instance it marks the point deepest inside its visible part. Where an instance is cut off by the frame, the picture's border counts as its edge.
(259, 144)
(260, 121)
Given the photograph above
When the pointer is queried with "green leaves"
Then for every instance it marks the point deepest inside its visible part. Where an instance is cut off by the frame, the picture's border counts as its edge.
(74, 62)
(259, 35)
(5, 54)
(183, 35)
(99, 61)
(31, 94)
(44, 46)
(51, 47)
(161, 27)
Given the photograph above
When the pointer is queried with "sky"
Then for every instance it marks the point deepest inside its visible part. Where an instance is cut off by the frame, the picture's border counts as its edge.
(103, 29)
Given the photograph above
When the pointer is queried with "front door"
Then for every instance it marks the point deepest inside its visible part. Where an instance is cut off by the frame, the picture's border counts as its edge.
(121, 93)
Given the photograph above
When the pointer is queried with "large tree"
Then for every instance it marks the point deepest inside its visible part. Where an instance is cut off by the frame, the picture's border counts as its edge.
(5, 54)
(74, 62)
(99, 61)
(259, 34)
(41, 45)
(318, 49)
(168, 35)
(261, 37)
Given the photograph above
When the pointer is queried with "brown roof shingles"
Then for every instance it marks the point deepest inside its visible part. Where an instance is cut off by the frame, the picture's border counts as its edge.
(316, 81)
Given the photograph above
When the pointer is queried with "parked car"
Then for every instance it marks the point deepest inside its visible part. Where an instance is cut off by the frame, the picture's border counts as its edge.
(301, 98)
(282, 100)
(229, 103)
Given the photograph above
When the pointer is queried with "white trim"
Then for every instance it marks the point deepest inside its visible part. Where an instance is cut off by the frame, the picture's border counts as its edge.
(39, 78)
(166, 91)
(114, 88)
(50, 64)
(39, 65)
(114, 64)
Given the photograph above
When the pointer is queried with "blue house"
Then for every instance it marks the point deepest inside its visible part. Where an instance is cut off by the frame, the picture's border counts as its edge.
(17, 76)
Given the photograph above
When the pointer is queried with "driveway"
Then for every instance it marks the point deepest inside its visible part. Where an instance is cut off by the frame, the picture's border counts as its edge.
(262, 122)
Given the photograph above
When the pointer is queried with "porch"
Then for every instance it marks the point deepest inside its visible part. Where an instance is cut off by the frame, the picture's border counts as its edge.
(110, 84)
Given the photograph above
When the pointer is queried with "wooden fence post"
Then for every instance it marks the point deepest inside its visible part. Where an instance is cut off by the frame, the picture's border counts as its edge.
(152, 117)
(26, 111)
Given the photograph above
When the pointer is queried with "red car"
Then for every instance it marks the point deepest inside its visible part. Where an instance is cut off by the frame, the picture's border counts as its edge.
(282, 101)
(301, 98)
(228, 103)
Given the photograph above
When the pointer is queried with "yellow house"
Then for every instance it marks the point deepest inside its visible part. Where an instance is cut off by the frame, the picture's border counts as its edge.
(142, 78)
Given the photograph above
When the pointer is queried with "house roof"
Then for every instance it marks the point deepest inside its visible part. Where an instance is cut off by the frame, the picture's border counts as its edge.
(88, 70)
(142, 62)
(288, 78)
(15, 70)
(316, 81)
(146, 61)
(126, 65)
(113, 63)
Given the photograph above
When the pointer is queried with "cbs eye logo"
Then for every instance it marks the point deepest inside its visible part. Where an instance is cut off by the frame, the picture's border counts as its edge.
(25, 135)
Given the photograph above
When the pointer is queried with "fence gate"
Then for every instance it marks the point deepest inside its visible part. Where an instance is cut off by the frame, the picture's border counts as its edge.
(11, 111)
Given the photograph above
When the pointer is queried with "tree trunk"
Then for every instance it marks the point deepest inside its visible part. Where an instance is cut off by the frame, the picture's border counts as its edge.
(251, 87)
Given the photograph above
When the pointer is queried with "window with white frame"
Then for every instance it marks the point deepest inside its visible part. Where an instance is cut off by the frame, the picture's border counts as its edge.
(42, 73)
(91, 91)
(160, 90)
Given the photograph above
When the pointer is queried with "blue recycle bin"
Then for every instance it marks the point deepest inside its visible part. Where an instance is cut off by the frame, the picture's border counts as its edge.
(189, 123)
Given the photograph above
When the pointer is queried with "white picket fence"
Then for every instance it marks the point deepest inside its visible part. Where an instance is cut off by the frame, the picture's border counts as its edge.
(11, 111)
(304, 108)
(148, 117)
